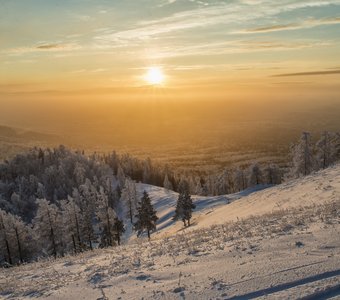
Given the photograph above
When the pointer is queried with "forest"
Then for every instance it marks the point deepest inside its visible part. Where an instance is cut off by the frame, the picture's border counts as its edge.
(59, 201)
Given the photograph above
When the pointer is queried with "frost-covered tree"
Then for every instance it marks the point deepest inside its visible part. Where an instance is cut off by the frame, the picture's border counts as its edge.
(146, 216)
(129, 197)
(48, 224)
(86, 199)
(324, 150)
(198, 186)
(72, 224)
(327, 149)
(118, 228)
(240, 180)
(255, 175)
(302, 154)
(272, 174)
(121, 176)
(23, 238)
(5, 237)
(79, 173)
(335, 154)
(167, 183)
(106, 216)
(147, 170)
(16, 239)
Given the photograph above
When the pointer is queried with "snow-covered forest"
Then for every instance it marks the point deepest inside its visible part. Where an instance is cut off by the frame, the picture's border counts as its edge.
(59, 201)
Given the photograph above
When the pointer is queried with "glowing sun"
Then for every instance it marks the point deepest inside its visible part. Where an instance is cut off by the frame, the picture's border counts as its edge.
(154, 76)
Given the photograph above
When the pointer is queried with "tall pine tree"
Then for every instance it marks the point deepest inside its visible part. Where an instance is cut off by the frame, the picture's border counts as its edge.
(184, 205)
(146, 216)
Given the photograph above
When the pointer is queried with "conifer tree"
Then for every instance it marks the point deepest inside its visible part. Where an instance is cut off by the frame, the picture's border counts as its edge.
(146, 216)
(188, 207)
(179, 212)
(184, 204)
(118, 228)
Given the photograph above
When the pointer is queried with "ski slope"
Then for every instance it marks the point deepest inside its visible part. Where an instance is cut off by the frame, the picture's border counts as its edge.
(281, 242)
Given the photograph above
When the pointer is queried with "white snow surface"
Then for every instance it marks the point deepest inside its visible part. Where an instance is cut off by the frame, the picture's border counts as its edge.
(281, 242)
(315, 189)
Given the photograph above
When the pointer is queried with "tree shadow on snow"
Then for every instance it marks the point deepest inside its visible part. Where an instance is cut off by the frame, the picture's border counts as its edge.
(289, 285)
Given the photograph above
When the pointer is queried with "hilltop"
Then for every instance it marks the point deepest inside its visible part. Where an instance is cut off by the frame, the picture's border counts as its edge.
(281, 241)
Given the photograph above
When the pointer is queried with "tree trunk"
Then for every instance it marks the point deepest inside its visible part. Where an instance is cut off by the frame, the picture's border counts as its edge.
(109, 227)
(90, 242)
(8, 252)
(53, 244)
(74, 244)
(130, 211)
(52, 236)
(77, 227)
(6, 242)
(19, 245)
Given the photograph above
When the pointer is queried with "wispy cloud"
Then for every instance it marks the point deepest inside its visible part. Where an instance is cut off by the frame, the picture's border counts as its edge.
(50, 46)
(53, 47)
(292, 26)
(314, 73)
(98, 70)
(236, 12)
(232, 47)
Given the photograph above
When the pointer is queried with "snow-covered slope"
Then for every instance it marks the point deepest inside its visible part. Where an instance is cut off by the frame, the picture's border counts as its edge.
(316, 189)
(289, 250)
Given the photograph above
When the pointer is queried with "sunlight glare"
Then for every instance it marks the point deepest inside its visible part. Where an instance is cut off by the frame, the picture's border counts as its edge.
(154, 76)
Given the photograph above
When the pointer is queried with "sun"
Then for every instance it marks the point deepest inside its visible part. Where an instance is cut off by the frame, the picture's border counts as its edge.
(154, 76)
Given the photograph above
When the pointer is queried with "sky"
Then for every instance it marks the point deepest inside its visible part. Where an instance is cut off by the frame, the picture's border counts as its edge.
(67, 58)
(82, 46)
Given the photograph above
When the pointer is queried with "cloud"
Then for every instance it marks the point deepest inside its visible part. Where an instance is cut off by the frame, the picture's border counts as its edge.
(54, 47)
(236, 13)
(87, 71)
(167, 2)
(292, 26)
(50, 46)
(314, 73)
(271, 28)
(233, 47)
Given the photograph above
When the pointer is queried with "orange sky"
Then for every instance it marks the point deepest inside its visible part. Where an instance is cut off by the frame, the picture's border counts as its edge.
(56, 55)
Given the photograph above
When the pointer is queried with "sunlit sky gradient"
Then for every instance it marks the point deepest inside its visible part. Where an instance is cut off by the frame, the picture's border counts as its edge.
(107, 46)
(232, 68)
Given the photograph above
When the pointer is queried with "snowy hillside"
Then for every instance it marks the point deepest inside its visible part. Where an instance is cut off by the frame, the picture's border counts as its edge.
(318, 188)
(282, 242)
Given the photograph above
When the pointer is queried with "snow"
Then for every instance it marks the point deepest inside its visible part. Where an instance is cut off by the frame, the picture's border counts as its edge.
(281, 242)
(315, 189)
(165, 200)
